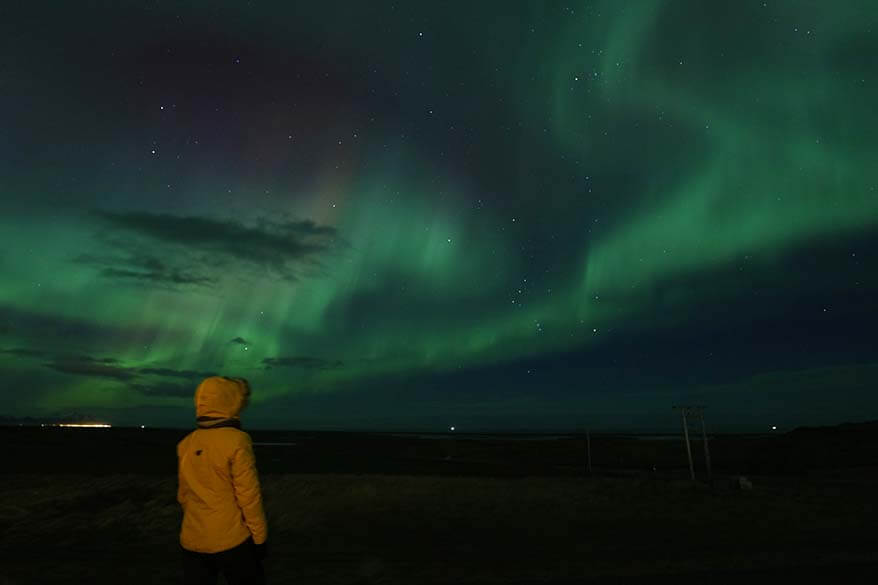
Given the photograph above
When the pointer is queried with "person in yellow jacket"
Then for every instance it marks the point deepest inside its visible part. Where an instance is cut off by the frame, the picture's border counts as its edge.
(224, 528)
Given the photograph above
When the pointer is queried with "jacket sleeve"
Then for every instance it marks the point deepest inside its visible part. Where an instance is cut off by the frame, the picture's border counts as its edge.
(182, 488)
(248, 493)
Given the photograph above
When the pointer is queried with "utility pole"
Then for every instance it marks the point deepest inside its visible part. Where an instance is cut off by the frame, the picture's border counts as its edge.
(685, 411)
(688, 448)
(706, 449)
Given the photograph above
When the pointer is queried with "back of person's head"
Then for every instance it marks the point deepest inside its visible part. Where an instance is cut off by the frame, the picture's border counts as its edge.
(221, 397)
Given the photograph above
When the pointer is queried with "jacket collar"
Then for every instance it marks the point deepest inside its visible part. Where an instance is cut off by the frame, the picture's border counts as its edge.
(215, 422)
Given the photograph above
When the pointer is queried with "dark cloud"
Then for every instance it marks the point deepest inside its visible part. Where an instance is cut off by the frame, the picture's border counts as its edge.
(240, 340)
(58, 357)
(19, 351)
(145, 262)
(304, 362)
(280, 246)
(170, 373)
(165, 389)
(84, 358)
(298, 228)
(170, 277)
(90, 368)
(85, 365)
(82, 365)
(50, 330)
(135, 267)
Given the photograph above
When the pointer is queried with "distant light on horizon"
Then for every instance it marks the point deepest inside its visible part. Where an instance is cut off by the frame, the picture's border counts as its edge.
(773, 428)
(452, 428)
(81, 425)
(142, 426)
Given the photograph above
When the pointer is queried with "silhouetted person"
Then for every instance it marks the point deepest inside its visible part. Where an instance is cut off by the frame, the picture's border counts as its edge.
(224, 528)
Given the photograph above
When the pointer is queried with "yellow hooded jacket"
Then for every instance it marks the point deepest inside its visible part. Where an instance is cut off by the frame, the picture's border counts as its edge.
(218, 482)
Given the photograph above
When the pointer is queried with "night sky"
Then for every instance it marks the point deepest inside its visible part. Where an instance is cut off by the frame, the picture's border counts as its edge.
(493, 215)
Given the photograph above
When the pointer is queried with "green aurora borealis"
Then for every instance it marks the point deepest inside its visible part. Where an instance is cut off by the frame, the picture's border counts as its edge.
(517, 215)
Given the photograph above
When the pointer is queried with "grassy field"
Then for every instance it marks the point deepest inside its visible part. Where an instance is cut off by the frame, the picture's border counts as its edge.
(347, 528)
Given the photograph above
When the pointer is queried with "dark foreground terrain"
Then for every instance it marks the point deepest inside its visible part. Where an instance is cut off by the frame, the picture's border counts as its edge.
(98, 506)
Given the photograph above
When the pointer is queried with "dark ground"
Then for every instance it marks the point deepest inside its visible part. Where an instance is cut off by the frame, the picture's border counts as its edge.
(844, 451)
(97, 505)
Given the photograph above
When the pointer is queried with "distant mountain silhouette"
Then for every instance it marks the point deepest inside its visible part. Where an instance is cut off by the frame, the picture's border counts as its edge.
(64, 417)
(858, 427)
(24, 420)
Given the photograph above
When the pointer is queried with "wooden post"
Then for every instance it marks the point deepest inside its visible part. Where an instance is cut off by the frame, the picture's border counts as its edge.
(706, 449)
(685, 411)
(688, 449)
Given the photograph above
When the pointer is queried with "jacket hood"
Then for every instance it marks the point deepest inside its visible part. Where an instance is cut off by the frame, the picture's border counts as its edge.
(219, 399)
